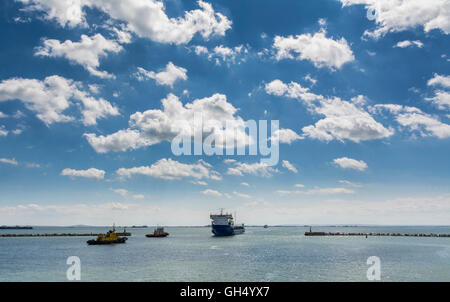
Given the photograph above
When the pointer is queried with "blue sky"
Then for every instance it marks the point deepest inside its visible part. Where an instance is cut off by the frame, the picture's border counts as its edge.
(363, 104)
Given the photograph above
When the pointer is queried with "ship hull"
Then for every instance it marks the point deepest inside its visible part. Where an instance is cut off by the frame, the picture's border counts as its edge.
(97, 242)
(239, 231)
(157, 235)
(222, 230)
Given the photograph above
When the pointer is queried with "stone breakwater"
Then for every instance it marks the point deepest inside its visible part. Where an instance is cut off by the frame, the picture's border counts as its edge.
(59, 235)
(374, 234)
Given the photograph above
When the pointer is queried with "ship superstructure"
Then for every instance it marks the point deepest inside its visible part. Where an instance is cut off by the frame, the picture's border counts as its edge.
(223, 225)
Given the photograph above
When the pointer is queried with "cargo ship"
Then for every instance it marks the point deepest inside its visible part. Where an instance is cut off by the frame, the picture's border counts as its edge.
(15, 227)
(223, 225)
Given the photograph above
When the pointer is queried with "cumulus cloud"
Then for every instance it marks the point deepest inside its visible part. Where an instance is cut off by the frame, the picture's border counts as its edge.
(258, 169)
(145, 18)
(89, 173)
(407, 43)
(401, 15)
(343, 120)
(415, 120)
(52, 96)
(86, 53)
(9, 161)
(439, 80)
(286, 164)
(286, 136)
(319, 49)
(176, 119)
(167, 77)
(3, 115)
(350, 163)
(170, 169)
(441, 99)
(223, 53)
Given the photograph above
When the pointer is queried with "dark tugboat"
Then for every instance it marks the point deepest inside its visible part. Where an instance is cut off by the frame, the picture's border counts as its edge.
(158, 232)
(109, 238)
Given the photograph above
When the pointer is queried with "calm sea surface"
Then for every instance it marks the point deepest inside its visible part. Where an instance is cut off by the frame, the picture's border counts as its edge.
(192, 254)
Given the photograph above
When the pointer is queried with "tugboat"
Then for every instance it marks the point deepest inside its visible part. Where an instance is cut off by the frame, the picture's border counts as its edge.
(109, 238)
(223, 225)
(158, 232)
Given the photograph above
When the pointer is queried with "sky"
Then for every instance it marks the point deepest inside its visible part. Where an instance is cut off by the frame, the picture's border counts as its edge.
(92, 94)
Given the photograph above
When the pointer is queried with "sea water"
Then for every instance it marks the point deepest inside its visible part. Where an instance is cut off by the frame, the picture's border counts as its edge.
(193, 254)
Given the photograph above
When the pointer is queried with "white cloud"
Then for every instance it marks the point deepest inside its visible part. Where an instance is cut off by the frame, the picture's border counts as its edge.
(154, 126)
(441, 99)
(145, 18)
(167, 77)
(121, 192)
(286, 164)
(350, 184)
(317, 48)
(138, 196)
(223, 53)
(3, 131)
(66, 13)
(310, 79)
(258, 169)
(199, 182)
(343, 120)
(3, 115)
(52, 96)
(245, 184)
(317, 191)
(426, 210)
(200, 50)
(87, 52)
(9, 161)
(401, 15)
(415, 120)
(89, 173)
(286, 136)
(170, 169)
(439, 80)
(211, 192)
(299, 185)
(350, 163)
(242, 195)
(407, 43)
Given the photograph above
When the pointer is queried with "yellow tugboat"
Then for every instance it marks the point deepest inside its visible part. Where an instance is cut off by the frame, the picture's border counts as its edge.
(109, 238)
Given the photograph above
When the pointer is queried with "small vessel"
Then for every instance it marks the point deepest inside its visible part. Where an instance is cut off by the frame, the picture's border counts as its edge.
(158, 232)
(266, 226)
(223, 225)
(109, 238)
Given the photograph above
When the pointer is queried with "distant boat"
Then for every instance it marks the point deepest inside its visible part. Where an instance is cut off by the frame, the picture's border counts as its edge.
(139, 227)
(158, 232)
(223, 225)
(16, 227)
(266, 226)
